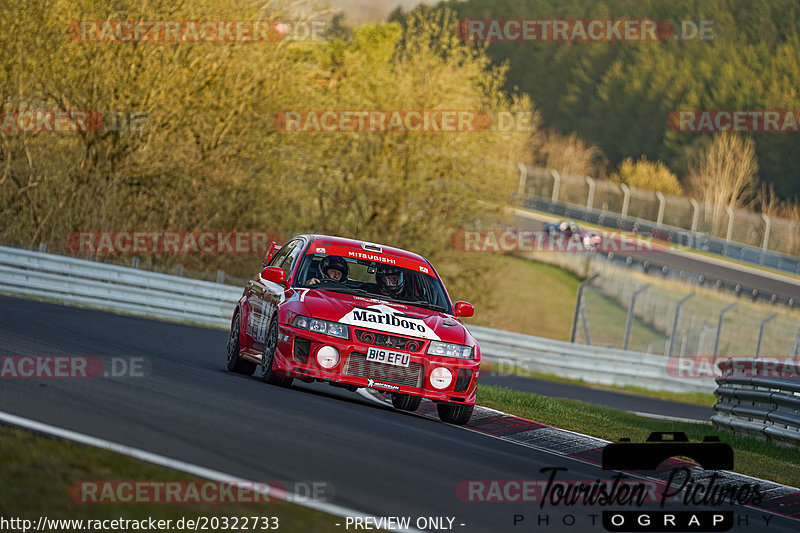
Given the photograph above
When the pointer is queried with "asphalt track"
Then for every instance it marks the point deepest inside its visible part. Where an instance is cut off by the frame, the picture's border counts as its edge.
(188, 407)
(713, 269)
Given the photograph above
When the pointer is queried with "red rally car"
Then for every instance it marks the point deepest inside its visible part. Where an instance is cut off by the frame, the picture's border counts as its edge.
(356, 314)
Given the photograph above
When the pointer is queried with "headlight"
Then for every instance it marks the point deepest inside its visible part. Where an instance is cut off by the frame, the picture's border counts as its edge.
(446, 349)
(334, 329)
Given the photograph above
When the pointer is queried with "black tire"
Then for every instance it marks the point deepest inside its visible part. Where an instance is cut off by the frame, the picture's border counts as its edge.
(454, 413)
(233, 362)
(270, 345)
(405, 402)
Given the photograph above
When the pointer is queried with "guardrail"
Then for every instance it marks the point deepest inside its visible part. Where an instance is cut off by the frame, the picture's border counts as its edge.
(510, 352)
(117, 288)
(128, 290)
(759, 397)
(537, 192)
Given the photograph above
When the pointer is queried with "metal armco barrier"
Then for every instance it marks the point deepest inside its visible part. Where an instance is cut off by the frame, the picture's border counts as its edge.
(759, 397)
(129, 290)
(117, 288)
(509, 352)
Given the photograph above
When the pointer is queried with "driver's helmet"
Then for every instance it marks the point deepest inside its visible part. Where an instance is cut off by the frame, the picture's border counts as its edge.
(333, 262)
(573, 227)
(385, 278)
(564, 226)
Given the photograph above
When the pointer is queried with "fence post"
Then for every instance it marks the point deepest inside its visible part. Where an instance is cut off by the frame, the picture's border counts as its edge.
(671, 342)
(661, 202)
(730, 224)
(523, 179)
(578, 303)
(767, 228)
(629, 321)
(761, 332)
(556, 185)
(796, 348)
(626, 201)
(695, 213)
(719, 329)
(592, 186)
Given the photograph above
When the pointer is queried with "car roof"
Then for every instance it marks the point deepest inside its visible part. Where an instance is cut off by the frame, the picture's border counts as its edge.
(354, 243)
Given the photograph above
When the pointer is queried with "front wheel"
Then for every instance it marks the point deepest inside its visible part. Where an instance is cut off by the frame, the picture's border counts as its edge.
(454, 413)
(405, 402)
(268, 357)
(233, 362)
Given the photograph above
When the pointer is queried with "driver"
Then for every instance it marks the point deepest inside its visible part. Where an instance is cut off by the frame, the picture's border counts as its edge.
(331, 268)
(390, 280)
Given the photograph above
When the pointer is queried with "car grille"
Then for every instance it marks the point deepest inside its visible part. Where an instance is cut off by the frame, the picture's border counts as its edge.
(462, 382)
(389, 341)
(358, 366)
(301, 349)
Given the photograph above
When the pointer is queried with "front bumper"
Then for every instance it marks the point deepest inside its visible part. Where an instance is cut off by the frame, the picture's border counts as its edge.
(297, 356)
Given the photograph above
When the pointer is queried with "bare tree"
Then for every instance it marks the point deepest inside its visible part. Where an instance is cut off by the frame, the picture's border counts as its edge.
(723, 173)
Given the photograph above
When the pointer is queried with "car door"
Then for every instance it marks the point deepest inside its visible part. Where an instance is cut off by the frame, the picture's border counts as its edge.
(264, 296)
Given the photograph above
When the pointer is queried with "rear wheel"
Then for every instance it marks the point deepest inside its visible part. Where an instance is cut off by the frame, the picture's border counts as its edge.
(454, 413)
(268, 357)
(405, 402)
(233, 362)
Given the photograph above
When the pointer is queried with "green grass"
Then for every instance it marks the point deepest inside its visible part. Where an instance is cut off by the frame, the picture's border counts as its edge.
(538, 299)
(38, 472)
(753, 457)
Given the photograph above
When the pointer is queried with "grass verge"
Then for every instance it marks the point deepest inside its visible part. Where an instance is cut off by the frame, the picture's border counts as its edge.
(753, 457)
(37, 473)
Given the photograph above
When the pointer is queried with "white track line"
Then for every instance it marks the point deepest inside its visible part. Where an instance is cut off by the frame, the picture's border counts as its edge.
(200, 471)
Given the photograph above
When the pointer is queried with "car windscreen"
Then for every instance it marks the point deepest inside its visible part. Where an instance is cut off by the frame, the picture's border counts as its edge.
(374, 280)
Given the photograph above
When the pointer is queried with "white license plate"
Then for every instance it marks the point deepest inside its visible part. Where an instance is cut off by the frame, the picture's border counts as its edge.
(379, 355)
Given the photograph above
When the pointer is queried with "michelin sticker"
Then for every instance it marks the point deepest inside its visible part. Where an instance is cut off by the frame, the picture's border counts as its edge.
(384, 318)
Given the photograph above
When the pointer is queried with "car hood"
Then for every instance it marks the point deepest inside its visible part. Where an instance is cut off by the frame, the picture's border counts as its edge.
(384, 316)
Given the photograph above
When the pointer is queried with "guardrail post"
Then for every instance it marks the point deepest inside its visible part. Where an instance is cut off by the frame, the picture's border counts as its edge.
(629, 321)
(220, 276)
(661, 203)
(135, 262)
(523, 179)
(695, 213)
(626, 200)
(556, 185)
(42, 247)
(719, 329)
(578, 304)
(761, 332)
(592, 186)
(767, 228)
(730, 224)
(671, 342)
(180, 270)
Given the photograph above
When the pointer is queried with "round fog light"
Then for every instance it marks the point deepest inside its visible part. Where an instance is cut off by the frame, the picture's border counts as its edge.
(328, 357)
(441, 378)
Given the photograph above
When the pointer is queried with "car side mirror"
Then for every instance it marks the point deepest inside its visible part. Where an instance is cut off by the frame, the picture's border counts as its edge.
(275, 275)
(464, 309)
